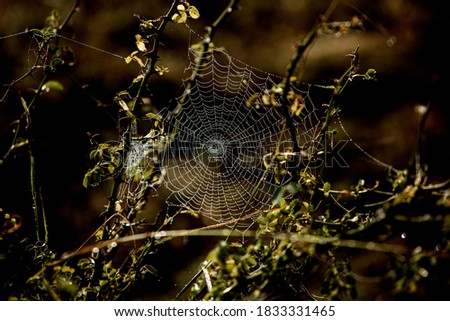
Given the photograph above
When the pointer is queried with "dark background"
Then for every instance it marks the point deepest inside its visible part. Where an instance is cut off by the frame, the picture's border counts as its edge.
(404, 41)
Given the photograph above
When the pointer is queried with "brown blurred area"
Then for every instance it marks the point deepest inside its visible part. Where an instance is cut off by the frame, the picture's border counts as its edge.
(404, 41)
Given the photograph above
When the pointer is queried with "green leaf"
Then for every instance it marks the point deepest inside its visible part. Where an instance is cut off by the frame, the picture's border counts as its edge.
(86, 263)
(53, 84)
(87, 179)
(56, 62)
(370, 74)
(326, 189)
(24, 105)
(19, 143)
(153, 116)
(37, 32)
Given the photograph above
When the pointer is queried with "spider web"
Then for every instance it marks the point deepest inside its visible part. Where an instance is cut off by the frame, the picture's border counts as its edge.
(217, 160)
(215, 152)
(219, 149)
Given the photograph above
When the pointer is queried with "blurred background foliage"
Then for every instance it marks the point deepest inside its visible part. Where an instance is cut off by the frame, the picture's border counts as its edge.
(403, 40)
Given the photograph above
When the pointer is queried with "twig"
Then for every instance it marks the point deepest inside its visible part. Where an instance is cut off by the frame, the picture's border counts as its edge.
(118, 182)
(149, 70)
(38, 204)
(287, 80)
(414, 162)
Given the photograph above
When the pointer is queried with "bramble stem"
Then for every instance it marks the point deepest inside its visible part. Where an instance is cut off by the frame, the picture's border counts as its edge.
(149, 70)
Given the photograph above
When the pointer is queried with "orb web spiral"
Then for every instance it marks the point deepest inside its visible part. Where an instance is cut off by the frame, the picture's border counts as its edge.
(217, 161)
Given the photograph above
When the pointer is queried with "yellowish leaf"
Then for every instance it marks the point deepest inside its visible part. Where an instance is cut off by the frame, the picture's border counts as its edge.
(123, 105)
(138, 79)
(24, 104)
(141, 46)
(193, 12)
(131, 57)
(153, 116)
(161, 70)
(139, 61)
(128, 59)
(180, 17)
(140, 43)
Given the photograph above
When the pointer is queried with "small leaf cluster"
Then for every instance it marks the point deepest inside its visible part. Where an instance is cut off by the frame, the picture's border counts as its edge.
(338, 282)
(109, 158)
(276, 96)
(253, 272)
(185, 10)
